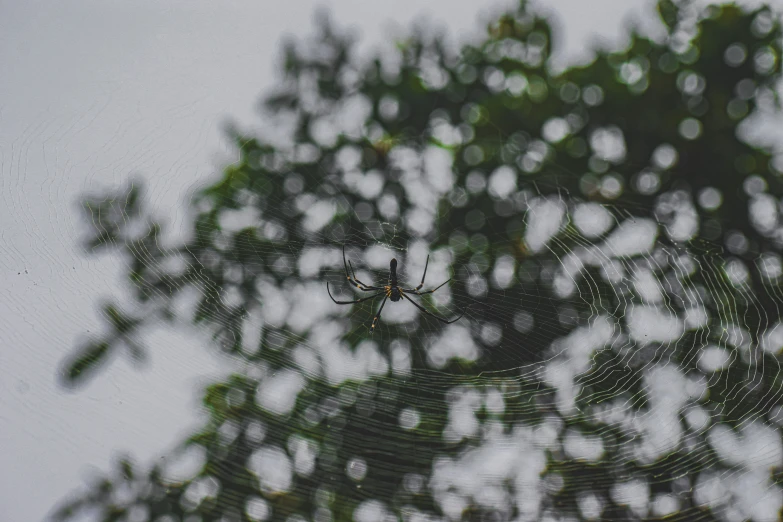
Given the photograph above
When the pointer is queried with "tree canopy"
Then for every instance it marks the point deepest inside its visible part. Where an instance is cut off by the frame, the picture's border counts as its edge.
(612, 236)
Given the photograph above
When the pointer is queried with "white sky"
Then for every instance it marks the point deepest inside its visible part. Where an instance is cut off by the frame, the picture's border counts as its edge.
(92, 91)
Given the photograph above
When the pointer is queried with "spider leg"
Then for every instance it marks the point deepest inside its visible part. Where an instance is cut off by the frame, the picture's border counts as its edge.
(423, 275)
(344, 263)
(378, 315)
(350, 302)
(366, 286)
(355, 282)
(416, 291)
(441, 319)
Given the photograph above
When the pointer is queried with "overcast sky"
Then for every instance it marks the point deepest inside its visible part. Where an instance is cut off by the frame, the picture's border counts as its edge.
(92, 91)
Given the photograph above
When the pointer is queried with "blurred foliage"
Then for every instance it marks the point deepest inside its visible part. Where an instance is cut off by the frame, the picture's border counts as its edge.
(676, 106)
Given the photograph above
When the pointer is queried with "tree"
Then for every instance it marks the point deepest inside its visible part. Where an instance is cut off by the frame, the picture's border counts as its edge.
(615, 242)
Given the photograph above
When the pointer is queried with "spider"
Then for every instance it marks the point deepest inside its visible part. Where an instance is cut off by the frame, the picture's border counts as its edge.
(391, 291)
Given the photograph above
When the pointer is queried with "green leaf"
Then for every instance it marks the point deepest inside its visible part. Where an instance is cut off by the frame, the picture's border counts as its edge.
(91, 356)
(126, 468)
(669, 12)
(121, 323)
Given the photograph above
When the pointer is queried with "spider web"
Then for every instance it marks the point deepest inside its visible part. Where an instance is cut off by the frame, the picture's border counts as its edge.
(625, 299)
(619, 361)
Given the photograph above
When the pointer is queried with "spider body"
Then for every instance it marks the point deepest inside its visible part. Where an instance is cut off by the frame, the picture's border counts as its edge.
(395, 294)
(390, 291)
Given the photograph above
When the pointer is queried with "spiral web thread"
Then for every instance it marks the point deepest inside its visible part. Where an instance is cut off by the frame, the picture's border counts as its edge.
(648, 351)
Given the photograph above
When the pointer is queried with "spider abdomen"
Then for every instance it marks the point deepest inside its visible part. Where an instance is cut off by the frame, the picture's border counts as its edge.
(395, 294)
